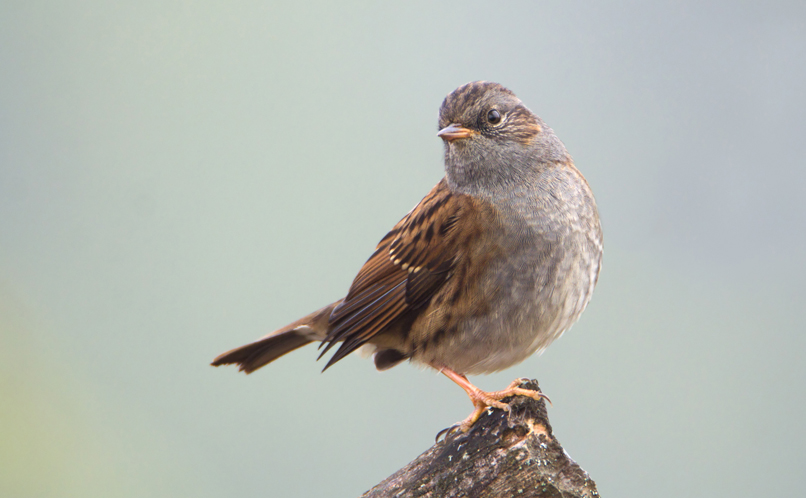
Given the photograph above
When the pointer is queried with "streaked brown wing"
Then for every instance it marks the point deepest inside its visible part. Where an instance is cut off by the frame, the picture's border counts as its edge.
(410, 264)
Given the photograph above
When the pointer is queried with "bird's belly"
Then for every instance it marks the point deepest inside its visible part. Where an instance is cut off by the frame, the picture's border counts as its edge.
(533, 300)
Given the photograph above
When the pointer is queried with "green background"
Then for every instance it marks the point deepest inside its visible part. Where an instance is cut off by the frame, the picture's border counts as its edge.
(179, 178)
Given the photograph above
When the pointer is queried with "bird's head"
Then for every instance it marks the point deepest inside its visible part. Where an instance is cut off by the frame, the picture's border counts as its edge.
(491, 138)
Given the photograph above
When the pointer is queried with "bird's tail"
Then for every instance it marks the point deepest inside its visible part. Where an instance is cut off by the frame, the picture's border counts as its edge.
(254, 355)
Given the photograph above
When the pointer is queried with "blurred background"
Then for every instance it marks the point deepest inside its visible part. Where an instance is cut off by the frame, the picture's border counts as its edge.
(179, 178)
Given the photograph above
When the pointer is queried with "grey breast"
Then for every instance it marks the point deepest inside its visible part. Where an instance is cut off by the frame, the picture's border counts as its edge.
(545, 281)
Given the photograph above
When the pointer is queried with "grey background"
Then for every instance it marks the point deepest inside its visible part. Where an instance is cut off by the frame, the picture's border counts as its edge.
(178, 178)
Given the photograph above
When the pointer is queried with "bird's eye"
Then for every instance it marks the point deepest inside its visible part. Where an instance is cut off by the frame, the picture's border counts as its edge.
(494, 117)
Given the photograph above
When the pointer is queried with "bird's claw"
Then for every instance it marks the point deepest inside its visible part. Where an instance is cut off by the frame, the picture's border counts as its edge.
(448, 432)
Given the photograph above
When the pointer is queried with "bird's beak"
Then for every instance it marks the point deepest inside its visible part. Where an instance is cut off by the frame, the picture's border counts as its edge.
(454, 132)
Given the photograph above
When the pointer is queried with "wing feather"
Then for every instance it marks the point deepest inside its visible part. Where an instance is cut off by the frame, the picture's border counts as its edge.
(409, 266)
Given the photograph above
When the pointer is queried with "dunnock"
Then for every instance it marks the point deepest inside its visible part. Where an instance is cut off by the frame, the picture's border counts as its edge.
(497, 261)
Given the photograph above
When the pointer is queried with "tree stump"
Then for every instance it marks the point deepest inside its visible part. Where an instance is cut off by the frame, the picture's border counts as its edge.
(504, 454)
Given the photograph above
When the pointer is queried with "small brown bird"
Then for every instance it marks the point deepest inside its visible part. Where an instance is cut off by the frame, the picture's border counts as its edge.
(497, 261)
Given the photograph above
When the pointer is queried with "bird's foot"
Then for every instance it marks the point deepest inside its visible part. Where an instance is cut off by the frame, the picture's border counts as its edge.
(482, 400)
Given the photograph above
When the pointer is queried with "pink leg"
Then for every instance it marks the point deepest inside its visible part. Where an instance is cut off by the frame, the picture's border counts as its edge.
(482, 399)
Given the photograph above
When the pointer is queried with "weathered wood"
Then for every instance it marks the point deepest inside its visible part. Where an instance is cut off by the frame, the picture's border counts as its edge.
(504, 454)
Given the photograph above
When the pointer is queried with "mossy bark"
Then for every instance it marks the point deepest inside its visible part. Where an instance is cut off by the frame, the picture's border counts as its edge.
(504, 454)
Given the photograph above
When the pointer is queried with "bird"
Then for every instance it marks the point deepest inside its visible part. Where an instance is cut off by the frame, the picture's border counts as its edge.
(496, 262)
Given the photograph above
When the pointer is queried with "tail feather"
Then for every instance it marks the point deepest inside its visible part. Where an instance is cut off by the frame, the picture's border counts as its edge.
(254, 355)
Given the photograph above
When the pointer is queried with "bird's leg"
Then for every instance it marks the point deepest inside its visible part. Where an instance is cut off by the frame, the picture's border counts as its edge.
(482, 399)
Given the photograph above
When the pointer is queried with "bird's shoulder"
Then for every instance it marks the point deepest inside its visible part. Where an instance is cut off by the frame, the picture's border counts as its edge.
(410, 265)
